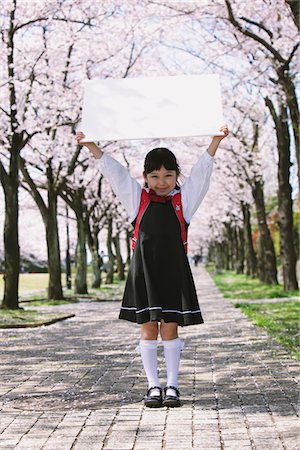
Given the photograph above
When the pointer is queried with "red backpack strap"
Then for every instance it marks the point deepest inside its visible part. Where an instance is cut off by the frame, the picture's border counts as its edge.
(142, 208)
(177, 205)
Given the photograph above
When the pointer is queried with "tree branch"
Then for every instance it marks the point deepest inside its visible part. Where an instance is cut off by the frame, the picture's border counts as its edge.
(33, 190)
(259, 25)
(253, 36)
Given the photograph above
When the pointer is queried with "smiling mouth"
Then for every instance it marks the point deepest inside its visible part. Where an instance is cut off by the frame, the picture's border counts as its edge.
(162, 191)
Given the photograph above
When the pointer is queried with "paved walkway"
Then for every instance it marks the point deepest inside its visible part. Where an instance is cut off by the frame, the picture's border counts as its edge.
(79, 385)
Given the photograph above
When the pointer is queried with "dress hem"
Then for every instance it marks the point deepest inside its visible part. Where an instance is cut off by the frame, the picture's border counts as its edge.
(157, 316)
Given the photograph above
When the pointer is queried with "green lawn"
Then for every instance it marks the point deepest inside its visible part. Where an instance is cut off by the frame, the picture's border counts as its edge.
(29, 318)
(29, 282)
(281, 320)
(241, 286)
(33, 288)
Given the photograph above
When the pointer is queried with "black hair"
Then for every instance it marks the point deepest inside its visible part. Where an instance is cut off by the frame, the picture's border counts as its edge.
(159, 157)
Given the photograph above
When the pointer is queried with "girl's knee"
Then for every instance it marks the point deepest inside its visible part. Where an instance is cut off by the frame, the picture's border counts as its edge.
(168, 331)
(149, 330)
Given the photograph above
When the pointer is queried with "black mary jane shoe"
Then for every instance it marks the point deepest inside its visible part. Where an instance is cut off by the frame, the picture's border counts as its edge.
(153, 401)
(172, 401)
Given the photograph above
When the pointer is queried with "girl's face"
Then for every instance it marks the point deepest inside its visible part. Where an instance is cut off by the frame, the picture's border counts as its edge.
(162, 181)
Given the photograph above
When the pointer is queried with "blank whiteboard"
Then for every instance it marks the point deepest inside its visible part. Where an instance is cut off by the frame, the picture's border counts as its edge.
(152, 107)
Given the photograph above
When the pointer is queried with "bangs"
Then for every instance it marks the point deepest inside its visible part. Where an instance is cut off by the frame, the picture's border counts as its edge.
(159, 157)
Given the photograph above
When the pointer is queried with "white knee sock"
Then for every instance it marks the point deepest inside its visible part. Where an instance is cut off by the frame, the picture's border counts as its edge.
(172, 351)
(148, 349)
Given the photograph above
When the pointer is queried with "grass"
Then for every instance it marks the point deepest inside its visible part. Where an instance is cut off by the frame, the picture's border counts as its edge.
(239, 286)
(28, 318)
(281, 320)
(30, 282)
(33, 292)
(43, 301)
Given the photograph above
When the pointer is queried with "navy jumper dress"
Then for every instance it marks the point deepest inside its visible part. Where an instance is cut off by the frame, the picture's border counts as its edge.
(160, 283)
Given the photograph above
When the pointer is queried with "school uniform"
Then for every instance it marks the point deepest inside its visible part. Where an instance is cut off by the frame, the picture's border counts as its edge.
(159, 283)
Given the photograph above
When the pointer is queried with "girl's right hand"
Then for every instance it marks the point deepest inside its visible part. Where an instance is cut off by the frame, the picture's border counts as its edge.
(79, 136)
(93, 148)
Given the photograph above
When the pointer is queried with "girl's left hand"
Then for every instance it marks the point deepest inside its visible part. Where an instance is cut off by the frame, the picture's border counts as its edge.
(224, 129)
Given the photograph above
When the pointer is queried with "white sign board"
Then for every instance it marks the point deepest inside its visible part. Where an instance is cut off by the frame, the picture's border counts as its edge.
(153, 107)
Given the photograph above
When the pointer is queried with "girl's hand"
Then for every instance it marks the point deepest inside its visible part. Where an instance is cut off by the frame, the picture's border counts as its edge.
(224, 129)
(93, 148)
(79, 136)
(216, 141)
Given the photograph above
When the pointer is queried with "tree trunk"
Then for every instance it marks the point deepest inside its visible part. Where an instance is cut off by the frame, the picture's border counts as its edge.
(110, 265)
(120, 264)
(230, 244)
(285, 205)
(75, 199)
(235, 247)
(295, 10)
(92, 240)
(10, 183)
(240, 251)
(250, 256)
(96, 282)
(219, 258)
(281, 122)
(54, 263)
(225, 252)
(282, 66)
(11, 235)
(81, 265)
(55, 290)
(267, 270)
(96, 260)
(49, 215)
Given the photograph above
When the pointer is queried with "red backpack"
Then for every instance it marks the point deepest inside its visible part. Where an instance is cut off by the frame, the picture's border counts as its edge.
(177, 205)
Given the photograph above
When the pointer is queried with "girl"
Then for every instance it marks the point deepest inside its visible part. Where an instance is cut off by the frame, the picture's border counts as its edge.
(160, 287)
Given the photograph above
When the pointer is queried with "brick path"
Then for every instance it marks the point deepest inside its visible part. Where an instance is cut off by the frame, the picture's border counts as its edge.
(79, 384)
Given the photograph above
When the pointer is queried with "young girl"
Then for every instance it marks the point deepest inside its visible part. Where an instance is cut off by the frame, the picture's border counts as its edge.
(160, 286)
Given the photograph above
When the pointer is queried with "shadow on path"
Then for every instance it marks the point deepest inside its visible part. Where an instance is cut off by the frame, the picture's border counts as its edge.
(234, 379)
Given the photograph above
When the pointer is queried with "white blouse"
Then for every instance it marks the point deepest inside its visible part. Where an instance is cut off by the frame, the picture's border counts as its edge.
(128, 190)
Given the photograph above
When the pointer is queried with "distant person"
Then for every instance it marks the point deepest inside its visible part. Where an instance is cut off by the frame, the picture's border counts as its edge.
(160, 286)
(196, 259)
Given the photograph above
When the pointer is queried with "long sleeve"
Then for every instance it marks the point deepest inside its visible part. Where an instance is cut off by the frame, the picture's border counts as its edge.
(126, 188)
(196, 186)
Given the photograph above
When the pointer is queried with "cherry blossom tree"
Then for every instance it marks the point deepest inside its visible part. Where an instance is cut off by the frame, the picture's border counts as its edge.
(255, 44)
(14, 136)
(48, 48)
(96, 216)
(276, 40)
(250, 164)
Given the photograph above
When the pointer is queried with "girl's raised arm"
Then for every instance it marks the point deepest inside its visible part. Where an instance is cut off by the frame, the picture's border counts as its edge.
(93, 148)
(126, 188)
(213, 147)
(196, 185)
